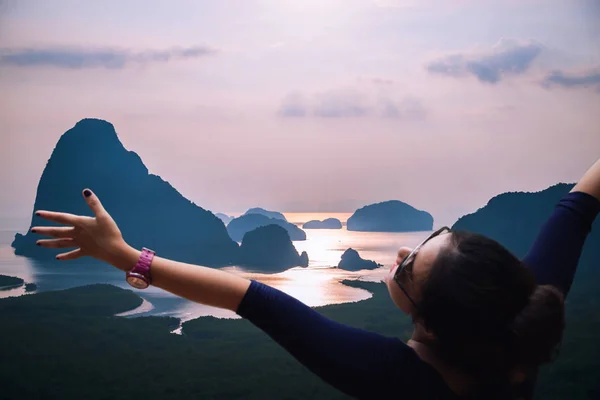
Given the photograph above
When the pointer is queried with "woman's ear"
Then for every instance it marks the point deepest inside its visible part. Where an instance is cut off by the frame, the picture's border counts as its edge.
(429, 334)
(518, 375)
(422, 334)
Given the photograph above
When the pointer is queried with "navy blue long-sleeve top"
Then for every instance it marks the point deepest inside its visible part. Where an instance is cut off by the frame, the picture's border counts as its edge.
(367, 365)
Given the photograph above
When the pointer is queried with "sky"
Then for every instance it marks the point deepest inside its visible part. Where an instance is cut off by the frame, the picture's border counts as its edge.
(309, 105)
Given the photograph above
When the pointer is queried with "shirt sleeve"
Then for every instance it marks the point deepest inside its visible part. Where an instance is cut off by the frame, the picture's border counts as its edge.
(360, 363)
(555, 253)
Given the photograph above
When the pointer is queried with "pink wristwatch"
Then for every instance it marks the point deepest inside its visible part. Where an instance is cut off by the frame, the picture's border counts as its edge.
(139, 276)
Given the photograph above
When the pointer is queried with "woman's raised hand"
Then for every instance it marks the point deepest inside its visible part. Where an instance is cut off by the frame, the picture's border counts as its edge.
(590, 182)
(97, 236)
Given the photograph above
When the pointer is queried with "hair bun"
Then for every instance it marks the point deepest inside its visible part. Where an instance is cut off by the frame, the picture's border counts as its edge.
(538, 327)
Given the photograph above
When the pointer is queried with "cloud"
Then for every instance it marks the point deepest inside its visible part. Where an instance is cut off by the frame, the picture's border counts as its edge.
(83, 58)
(350, 103)
(294, 104)
(453, 65)
(506, 58)
(376, 81)
(573, 80)
(407, 108)
(276, 45)
(340, 104)
(395, 3)
(451, 3)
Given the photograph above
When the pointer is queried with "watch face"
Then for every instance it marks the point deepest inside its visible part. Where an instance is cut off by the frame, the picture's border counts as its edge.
(137, 282)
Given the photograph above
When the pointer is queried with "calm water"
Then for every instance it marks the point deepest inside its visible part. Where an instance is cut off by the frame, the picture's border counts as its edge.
(317, 285)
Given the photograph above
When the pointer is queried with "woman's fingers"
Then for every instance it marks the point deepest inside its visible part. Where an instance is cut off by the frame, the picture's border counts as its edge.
(71, 255)
(61, 218)
(57, 243)
(55, 231)
(93, 202)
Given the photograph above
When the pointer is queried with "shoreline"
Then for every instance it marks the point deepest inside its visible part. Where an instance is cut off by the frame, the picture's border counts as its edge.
(145, 307)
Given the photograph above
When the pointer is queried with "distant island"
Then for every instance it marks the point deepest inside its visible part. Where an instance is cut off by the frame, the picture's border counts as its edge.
(266, 213)
(30, 287)
(224, 217)
(390, 216)
(352, 261)
(239, 226)
(149, 211)
(10, 282)
(270, 249)
(329, 223)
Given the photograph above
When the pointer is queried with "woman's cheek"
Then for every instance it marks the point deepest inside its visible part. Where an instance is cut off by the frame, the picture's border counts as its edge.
(390, 275)
(398, 297)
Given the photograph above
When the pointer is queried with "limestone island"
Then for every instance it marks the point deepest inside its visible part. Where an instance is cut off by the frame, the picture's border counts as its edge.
(352, 261)
(10, 282)
(266, 213)
(149, 211)
(329, 223)
(224, 217)
(390, 216)
(270, 249)
(30, 287)
(239, 226)
(515, 218)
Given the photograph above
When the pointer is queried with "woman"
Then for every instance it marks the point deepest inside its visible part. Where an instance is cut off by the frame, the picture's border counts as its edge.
(484, 320)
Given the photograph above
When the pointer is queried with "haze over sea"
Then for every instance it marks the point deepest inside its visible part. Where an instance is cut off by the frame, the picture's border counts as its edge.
(317, 285)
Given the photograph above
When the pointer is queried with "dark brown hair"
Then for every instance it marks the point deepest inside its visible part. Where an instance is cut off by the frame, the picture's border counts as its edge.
(486, 311)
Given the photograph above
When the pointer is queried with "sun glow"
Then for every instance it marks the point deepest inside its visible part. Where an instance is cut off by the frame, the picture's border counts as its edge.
(321, 282)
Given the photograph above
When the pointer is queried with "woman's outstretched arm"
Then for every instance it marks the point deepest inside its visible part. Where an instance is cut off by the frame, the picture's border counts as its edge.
(555, 253)
(204, 285)
(99, 237)
(360, 363)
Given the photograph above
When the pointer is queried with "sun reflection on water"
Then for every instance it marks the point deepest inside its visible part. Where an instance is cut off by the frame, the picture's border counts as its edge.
(317, 285)
(321, 283)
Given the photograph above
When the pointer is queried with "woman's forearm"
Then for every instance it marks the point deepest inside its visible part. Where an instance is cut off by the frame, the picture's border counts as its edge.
(203, 285)
(590, 182)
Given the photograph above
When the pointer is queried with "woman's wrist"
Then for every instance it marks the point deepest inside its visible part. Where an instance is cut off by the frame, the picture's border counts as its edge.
(124, 257)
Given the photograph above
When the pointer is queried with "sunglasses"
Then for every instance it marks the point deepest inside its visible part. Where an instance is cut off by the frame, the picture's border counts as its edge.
(407, 264)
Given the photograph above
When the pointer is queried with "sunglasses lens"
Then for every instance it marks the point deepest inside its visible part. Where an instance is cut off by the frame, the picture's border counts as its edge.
(403, 269)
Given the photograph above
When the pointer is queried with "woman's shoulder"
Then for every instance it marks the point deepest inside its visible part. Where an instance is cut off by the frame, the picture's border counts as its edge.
(418, 375)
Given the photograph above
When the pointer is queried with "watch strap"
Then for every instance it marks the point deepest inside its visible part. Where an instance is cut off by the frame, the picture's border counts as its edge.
(142, 267)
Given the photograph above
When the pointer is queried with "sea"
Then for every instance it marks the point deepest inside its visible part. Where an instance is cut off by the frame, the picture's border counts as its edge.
(317, 285)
